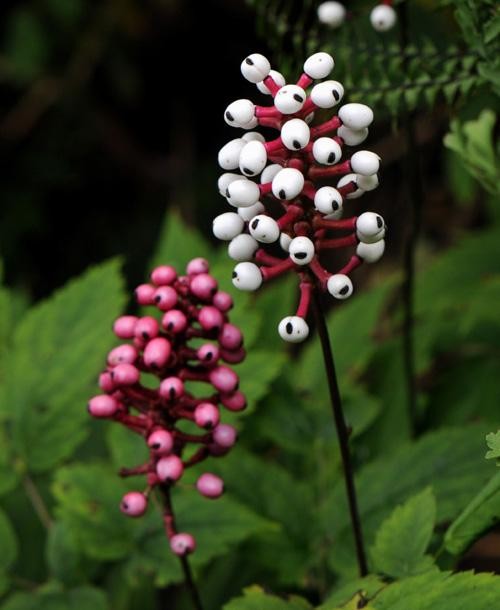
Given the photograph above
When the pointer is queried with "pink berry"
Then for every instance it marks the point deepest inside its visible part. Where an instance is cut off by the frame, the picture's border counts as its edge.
(106, 382)
(122, 354)
(208, 353)
(210, 486)
(182, 544)
(223, 301)
(163, 275)
(134, 504)
(157, 352)
(230, 337)
(124, 327)
(171, 388)
(233, 356)
(225, 435)
(125, 374)
(210, 318)
(234, 402)
(197, 266)
(102, 406)
(161, 441)
(223, 379)
(206, 415)
(203, 286)
(165, 298)
(169, 468)
(147, 328)
(174, 321)
(144, 294)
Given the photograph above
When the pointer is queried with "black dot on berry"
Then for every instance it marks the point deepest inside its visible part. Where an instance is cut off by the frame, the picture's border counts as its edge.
(234, 274)
(170, 326)
(228, 194)
(249, 61)
(335, 205)
(289, 328)
(300, 255)
(331, 158)
(209, 356)
(298, 98)
(155, 446)
(145, 335)
(229, 116)
(336, 95)
(255, 223)
(282, 194)
(296, 144)
(157, 299)
(344, 290)
(380, 222)
(171, 393)
(124, 506)
(246, 171)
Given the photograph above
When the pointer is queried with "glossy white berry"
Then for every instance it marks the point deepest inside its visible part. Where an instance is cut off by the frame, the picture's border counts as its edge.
(229, 155)
(288, 183)
(253, 158)
(356, 116)
(290, 99)
(345, 180)
(340, 286)
(319, 65)
(371, 253)
(269, 173)
(370, 227)
(225, 180)
(331, 14)
(277, 77)
(327, 94)
(367, 183)
(365, 162)
(252, 210)
(264, 229)
(239, 113)
(295, 134)
(227, 226)
(242, 247)
(293, 329)
(328, 200)
(301, 250)
(242, 193)
(352, 137)
(255, 67)
(250, 136)
(247, 276)
(326, 151)
(285, 241)
(252, 124)
(383, 17)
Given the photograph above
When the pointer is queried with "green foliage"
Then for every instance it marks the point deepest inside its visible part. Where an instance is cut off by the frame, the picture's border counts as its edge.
(26, 46)
(8, 543)
(82, 598)
(493, 442)
(255, 599)
(403, 538)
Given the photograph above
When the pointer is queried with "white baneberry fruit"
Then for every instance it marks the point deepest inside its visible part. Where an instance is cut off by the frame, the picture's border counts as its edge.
(242, 193)
(285, 240)
(252, 210)
(247, 276)
(327, 94)
(328, 200)
(242, 247)
(340, 286)
(365, 162)
(250, 136)
(295, 134)
(252, 124)
(277, 77)
(293, 329)
(301, 250)
(356, 116)
(367, 183)
(319, 65)
(346, 180)
(269, 172)
(264, 229)
(288, 183)
(239, 113)
(371, 253)
(383, 17)
(229, 154)
(326, 151)
(253, 158)
(227, 226)
(331, 14)
(225, 180)
(255, 67)
(370, 227)
(290, 99)
(352, 137)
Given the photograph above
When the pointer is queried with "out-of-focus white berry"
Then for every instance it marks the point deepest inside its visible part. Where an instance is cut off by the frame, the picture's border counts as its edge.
(327, 94)
(250, 211)
(253, 158)
(269, 172)
(242, 247)
(365, 162)
(288, 183)
(239, 113)
(370, 227)
(229, 154)
(301, 250)
(264, 229)
(331, 14)
(277, 77)
(340, 286)
(225, 180)
(247, 276)
(293, 329)
(255, 67)
(295, 134)
(367, 183)
(242, 193)
(319, 65)
(352, 137)
(328, 200)
(326, 151)
(350, 178)
(285, 240)
(356, 116)
(252, 124)
(371, 253)
(227, 226)
(290, 99)
(383, 17)
(250, 136)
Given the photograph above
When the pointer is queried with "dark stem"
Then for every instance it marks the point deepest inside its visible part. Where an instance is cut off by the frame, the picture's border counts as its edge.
(342, 432)
(416, 197)
(186, 568)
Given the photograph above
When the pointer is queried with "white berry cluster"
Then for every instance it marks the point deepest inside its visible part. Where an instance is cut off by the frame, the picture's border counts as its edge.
(287, 170)
(382, 17)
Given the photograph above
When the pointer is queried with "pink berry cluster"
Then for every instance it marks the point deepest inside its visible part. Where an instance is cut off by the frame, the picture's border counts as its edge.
(187, 343)
(291, 169)
(383, 17)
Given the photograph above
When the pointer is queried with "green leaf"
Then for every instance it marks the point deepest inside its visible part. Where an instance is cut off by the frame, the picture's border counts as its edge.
(64, 559)
(126, 448)
(26, 45)
(403, 538)
(481, 514)
(367, 587)
(82, 598)
(257, 372)
(8, 543)
(254, 598)
(178, 243)
(493, 442)
(8, 474)
(57, 352)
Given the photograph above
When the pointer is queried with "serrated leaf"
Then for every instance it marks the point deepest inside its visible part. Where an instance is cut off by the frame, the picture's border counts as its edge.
(8, 543)
(57, 352)
(365, 587)
(82, 598)
(254, 598)
(480, 515)
(493, 442)
(403, 538)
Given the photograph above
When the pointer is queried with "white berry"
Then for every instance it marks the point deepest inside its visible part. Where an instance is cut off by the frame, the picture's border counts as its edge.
(327, 94)
(277, 77)
(242, 193)
(264, 229)
(227, 225)
(367, 183)
(250, 136)
(345, 180)
(331, 14)
(301, 250)
(229, 155)
(290, 99)
(255, 67)
(293, 329)
(239, 113)
(371, 253)
(370, 227)
(352, 137)
(383, 17)
(340, 286)
(285, 241)
(319, 65)
(288, 183)
(247, 276)
(269, 173)
(295, 134)
(326, 151)
(250, 211)
(242, 247)
(365, 162)
(253, 158)
(225, 180)
(356, 116)
(328, 200)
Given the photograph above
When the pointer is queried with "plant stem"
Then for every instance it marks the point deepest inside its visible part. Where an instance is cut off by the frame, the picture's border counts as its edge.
(186, 568)
(37, 502)
(342, 432)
